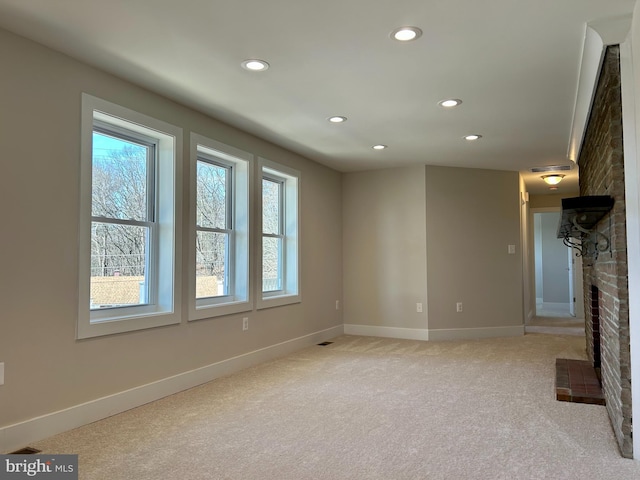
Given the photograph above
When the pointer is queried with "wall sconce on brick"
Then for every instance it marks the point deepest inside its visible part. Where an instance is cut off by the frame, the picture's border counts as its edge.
(580, 215)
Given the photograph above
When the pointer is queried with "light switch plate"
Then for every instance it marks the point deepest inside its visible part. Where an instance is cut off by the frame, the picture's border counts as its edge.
(512, 249)
(2, 373)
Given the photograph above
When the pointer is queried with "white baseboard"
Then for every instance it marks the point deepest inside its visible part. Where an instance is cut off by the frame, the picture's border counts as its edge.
(13, 437)
(474, 333)
(387, 332)
(433, 335)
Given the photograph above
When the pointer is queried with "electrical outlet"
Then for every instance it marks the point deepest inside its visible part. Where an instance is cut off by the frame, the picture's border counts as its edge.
(337, 304)
(245, 323)
(419, 307)
(2, 373)
(459, 307)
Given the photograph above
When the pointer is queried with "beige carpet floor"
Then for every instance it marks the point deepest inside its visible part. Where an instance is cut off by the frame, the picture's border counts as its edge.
(564, 325)
(366, 408)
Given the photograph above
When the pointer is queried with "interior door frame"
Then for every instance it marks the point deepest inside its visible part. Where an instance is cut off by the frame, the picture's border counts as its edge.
(570, 275)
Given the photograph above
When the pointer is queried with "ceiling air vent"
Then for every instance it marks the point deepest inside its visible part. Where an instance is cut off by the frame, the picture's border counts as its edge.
(551, 168)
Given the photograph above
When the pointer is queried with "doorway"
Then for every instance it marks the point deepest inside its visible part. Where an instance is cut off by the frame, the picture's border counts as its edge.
(557, 279)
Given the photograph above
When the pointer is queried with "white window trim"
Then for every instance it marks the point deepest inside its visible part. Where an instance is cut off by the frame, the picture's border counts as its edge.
(167, 309)
(241, 298)
(290, 293)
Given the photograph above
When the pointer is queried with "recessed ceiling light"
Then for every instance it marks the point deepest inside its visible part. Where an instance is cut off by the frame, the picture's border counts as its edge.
(379, 147)
(337, 119)
(255, 65)
(472, 137)
(450, 103)
(406, 34)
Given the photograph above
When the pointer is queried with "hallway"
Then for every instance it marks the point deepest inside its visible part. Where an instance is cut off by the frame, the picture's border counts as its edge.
(554, 319)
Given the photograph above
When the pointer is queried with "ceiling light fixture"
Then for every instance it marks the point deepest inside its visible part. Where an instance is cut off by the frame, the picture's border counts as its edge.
(450, 103)
(552, 179)
(255, 65)
(472, 137)
(337, 119)
(406, 34)
(379, 147)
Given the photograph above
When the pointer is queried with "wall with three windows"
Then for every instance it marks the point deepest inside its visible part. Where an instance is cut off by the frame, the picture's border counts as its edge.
(47, 367)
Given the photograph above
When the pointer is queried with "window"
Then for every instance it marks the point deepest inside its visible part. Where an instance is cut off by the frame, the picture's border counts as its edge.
(123, 217)
(214, 227)
(280, 235)
(219, 282)
(272, 233)
(129, 212)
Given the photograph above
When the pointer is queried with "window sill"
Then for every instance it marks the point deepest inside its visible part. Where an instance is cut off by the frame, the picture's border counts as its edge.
(213, 310)
(278, 301)
(114, 325)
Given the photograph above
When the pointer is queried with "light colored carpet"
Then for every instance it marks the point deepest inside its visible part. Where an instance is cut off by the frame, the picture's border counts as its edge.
(561, 325)
(556, 310)
(366, 408)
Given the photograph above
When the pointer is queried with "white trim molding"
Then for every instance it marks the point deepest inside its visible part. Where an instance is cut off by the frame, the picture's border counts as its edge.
(162, 305)
(598, 35)
(475, 333)
(387, 332)
(631, 136)
(241, 281)
(433, 335)
(21, 434)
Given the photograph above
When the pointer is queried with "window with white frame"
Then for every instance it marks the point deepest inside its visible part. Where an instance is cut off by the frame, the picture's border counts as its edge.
(214, 227)
(219, 282)
(280, 234)
(129, 255)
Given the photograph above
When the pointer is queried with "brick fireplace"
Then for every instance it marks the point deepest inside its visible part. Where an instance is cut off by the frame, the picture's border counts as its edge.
(606, 302)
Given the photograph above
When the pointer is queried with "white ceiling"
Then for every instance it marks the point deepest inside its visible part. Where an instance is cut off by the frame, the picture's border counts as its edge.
(514, 63)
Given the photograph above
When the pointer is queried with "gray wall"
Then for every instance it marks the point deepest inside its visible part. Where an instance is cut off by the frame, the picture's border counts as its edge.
(472, 217)
(46, 368)
(436, 235)
(384, 248)
(537, 231)
(555, 261)
(552, 200)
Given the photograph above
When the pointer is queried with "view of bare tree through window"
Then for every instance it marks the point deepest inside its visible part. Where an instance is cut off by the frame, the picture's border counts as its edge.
(272, 235)
(120, 230)
(122, 226)
(213, 228)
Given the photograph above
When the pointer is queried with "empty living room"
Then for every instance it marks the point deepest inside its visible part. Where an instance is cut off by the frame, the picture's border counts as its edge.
(320, 240)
